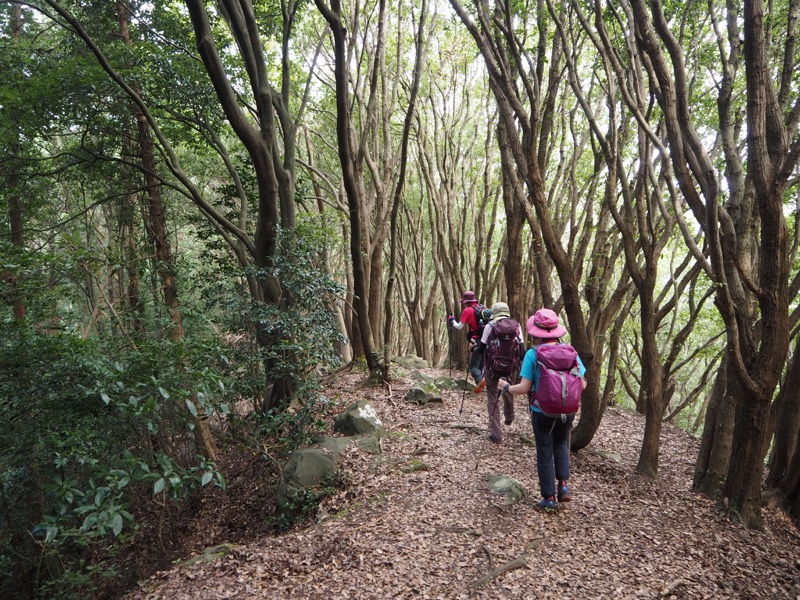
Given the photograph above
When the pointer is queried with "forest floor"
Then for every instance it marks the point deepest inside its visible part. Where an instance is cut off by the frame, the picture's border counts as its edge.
(398, 532)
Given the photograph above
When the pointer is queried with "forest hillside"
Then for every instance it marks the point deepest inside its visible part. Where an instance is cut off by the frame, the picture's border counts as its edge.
(207, 206)
(418, 521)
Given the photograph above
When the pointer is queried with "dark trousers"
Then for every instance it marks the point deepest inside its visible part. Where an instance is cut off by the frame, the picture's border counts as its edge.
(552, 450)
(476, 364)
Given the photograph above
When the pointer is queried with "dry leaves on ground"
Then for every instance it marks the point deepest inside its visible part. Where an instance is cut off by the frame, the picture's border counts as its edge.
(436, 531)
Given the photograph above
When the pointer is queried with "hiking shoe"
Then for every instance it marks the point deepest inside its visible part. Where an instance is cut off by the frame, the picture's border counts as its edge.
(479, 388)
(509, 420)
(548, 503)
(564, 493)
(494, 440)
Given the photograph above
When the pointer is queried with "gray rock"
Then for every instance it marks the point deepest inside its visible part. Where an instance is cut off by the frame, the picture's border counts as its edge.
(448, 383)
(334, 445)
(308, 466)
(411, 362)
(463, 384)
(422, 396)
(306, 470)
(612, 456)
(512, 489)
(359, 418)
(423, 381)
(371, 444)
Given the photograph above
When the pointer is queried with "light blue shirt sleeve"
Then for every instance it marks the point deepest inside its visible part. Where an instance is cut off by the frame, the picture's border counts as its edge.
(529, 365)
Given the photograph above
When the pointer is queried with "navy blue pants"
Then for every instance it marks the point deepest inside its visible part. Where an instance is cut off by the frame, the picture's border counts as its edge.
(476, 365)
(552, 450)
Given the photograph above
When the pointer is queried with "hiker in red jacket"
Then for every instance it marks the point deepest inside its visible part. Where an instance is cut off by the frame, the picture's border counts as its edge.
(470, 319)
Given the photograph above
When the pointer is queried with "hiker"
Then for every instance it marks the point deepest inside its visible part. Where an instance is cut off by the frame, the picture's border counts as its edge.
(502, 348)
(551, 432)
(469, 319)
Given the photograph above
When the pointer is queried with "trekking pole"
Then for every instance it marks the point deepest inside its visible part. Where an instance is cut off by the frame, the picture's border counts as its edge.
(449, 351)
(464, 393)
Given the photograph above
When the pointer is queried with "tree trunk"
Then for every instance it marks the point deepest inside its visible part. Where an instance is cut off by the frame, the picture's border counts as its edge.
(398, 194)
(785, 420)
(741, 494)
(513, 200)
(157, 230)
(652, 390)
(15, 220)
(14, 204)
(715, 444)
(790, 487)
(351, 185)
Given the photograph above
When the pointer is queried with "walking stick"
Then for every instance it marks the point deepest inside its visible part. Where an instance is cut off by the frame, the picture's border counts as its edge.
(463, 395)
(449, 350)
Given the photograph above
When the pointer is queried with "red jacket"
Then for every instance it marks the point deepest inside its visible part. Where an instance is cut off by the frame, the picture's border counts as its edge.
(468, 317)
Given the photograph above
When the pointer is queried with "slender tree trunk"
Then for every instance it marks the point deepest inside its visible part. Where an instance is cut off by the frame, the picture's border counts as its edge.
(15, 220)
(398, 193)
(157, 229)
(715, 444)
(131, 250)
(785, 420)
(14, 203)
(354, 201)
(790, 488)
(653, 399)
(513, 201)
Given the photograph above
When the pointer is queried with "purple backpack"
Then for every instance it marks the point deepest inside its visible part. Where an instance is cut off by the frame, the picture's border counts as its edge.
(558, 392)
(503, 355)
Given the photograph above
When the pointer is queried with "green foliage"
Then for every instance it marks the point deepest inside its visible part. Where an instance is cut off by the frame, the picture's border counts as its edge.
(81, 456)
(289, 430)
(298, 335)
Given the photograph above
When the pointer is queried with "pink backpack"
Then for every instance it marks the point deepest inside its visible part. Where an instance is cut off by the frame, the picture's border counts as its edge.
(558, 391)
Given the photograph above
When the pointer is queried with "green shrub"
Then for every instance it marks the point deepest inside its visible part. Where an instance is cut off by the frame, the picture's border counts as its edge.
(93, 437)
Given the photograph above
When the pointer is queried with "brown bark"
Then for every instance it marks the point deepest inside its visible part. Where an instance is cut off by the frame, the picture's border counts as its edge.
(514, 202)
(785, 420)
(652, 391)
(715, 444)
(756, 355)
(14, 202)
(398, 193)
(792, 488)
(155, 224)
(17, 239)
(354, 196)
(528, 110)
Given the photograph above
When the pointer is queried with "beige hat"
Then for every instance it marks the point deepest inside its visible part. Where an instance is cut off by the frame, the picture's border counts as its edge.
(500, 311)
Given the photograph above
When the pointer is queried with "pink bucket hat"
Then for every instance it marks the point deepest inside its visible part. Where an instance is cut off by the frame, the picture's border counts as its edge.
(468, 297)
(544, 325)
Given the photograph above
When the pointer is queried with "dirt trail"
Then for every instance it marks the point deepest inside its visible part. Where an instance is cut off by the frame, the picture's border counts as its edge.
(401, 531)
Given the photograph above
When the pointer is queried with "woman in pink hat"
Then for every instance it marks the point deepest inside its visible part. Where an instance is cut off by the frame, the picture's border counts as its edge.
(552, 433)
